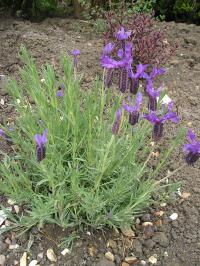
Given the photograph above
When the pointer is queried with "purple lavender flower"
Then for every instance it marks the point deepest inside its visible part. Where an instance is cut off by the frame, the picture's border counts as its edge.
(41, 140)
(154, 73)
(140, 68)
(123, 80)
(124, 65)
(122, 35)
(153, 95)
(108, 48)
(108, 77)
(116, 125)
(75, 53)
(133, 110)
(60, 91)
(158, 122)
(192, 149)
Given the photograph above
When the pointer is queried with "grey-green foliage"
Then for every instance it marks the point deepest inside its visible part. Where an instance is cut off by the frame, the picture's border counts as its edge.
(89, 176)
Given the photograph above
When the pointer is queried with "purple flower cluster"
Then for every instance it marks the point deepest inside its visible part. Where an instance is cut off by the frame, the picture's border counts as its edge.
(41, 140)
(192, 150)
(123, 63)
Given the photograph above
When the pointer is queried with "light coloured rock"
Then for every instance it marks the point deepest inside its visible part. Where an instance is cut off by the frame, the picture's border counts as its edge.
(153, 259)
(92, 250)
(2, 101)
(65, 251)
(16, 208)
(8, 241)
(163, 204)
(143, 262)
(109, 256)
(2, 260)
(51, 255)
(111, 243)
(127, 231)
(33, 263)
(15, 246)
(185, 195)
(147, 224)
(11, 202)
(7, 223)
(40, 256)
(131, 259)
(174, 216)
(124, 264)
(23, 260)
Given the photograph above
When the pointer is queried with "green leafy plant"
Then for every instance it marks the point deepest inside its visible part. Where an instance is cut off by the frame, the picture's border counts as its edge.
(82, 173)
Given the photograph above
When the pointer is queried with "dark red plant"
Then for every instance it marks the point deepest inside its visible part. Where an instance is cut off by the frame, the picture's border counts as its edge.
(150, 45)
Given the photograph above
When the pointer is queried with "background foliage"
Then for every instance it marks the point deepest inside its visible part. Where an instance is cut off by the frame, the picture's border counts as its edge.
(171, 9)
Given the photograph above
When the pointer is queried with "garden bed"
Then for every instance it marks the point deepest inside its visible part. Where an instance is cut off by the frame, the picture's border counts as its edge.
(174, 242)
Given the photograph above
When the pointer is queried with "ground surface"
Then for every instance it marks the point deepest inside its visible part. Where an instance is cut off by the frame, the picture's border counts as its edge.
(175, 243)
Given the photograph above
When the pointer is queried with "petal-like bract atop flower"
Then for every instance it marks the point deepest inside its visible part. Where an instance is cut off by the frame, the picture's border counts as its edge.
(75, 52)
(108, 48)
(151, 91)
(41, 139)
(122, 34)
(170, 115)
(154, 73)
(133, 108)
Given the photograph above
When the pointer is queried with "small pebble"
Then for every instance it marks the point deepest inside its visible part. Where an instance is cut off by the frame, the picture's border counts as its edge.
(15, 246)
(166, 254)
(23, 260)
(125, 264)
(153, 259)
(65, 251)
(111, 243)
(131, 259)
(51, 255)
(11, 202)
(173, 216)
(109, 256)
(16, 208)
(2, 260)
(40, 256)
(33, 263)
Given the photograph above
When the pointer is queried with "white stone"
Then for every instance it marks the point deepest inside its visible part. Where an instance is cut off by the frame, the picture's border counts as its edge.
(2, 260)
(109, 256)
(15, 246)
(33, 263)
(51, 255)
(173, 216)
(153, 259)
(23, 260)
(65, 251)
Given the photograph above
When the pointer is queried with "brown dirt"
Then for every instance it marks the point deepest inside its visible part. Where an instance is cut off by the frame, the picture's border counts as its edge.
(176, 243)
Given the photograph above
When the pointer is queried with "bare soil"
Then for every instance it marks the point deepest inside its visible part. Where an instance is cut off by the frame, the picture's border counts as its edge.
(174, 243)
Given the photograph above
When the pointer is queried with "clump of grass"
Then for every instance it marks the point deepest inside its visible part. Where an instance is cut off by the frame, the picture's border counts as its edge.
(82, 174)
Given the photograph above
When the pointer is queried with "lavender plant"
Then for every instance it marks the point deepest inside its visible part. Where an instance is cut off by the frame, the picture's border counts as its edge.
(91, 168)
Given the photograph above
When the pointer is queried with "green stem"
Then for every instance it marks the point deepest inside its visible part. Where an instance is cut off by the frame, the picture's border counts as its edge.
(102, 165)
